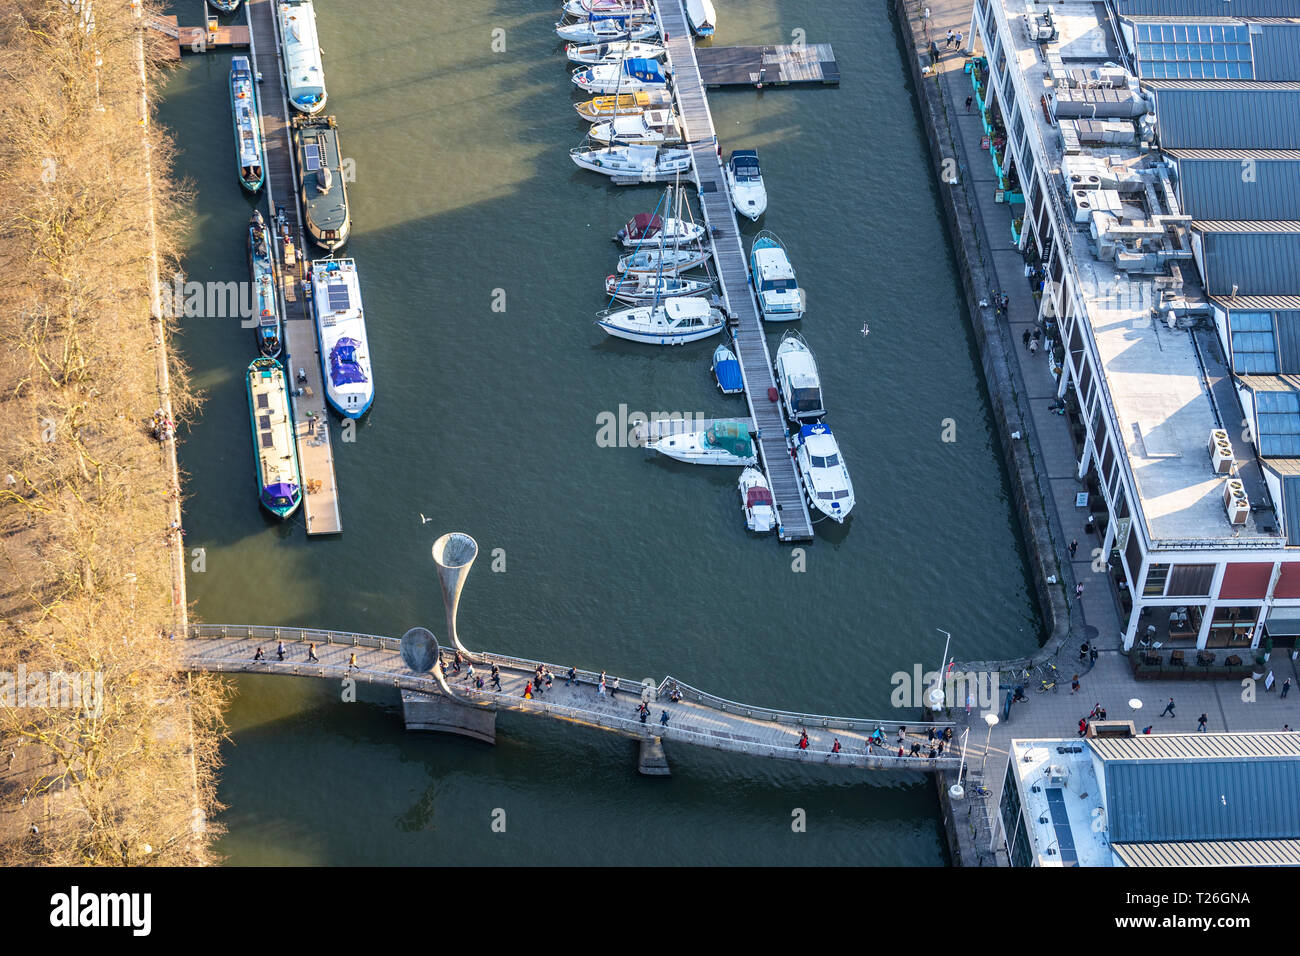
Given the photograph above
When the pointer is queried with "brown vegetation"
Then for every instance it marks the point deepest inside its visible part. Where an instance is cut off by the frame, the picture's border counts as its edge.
(88, 560)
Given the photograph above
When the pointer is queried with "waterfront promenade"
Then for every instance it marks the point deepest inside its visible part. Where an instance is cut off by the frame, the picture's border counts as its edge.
(1043, 460)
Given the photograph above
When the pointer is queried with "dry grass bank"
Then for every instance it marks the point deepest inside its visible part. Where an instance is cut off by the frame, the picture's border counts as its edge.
(87, 560)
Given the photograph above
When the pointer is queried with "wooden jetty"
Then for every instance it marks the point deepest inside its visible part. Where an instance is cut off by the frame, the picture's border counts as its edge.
(768, 65)
(793, 520)
(171, 40)
(302, 359)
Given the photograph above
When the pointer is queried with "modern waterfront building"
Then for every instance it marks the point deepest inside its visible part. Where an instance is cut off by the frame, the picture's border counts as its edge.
(1151, 151)
(1153, 800)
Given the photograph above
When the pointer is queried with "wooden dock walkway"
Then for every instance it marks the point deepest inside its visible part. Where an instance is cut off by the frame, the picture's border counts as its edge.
(302, 358)
(768, 65)
(793, 520)
(171, 40)
(699, 718)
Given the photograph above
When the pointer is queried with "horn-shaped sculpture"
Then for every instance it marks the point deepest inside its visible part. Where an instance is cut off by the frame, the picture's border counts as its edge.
(454, 553)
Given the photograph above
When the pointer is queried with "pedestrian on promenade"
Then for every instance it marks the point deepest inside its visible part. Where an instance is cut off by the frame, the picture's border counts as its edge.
(455, 664)
(478, 682)
(1147, 728)
(1033, 346)
(1083, 726)
(957, 40)
(311, 653)
(469, 674)
(940, 747)
(970, 702)
(916, 750)
(835, 747)
(1286, 686)
(929, 733)
(1038, 334)
(496, 679)
(601, 689)
(902, 732)
(900, 751)
(643, 711)
(550, 678)
(1074, 684)
(613, 689)
(1083, 652)
(259, 656)
(803, 740)
(1169, 708)
(528, 691)
(1078, 590)
(1024, 339)
(663, 718)
(947, 40)
(1074, 547)
(969, 99)
(1096, 711)
(352, 660)
(279, 651)
(1201, 722)
(571, 677)
(933, 753)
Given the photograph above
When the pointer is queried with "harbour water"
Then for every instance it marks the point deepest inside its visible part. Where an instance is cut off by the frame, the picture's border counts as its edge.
(486, 421)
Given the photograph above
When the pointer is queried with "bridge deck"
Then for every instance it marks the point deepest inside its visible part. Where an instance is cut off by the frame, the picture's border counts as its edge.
(311, 420)
(699, 718)
(793, 520)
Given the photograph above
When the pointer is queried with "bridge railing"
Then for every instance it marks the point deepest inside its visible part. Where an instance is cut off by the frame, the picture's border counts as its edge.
(628, 726)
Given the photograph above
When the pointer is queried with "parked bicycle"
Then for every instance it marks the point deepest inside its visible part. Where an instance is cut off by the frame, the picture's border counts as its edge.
(1049, 680)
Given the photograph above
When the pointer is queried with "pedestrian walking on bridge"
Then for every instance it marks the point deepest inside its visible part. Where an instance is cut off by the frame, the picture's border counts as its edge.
(1169, 709)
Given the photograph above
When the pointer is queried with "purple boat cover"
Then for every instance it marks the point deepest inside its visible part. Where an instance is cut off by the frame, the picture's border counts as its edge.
(281, 489)
(344, 369)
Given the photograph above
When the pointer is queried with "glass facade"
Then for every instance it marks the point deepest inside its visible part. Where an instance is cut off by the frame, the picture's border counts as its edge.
(1278, 414)
(1254, 347)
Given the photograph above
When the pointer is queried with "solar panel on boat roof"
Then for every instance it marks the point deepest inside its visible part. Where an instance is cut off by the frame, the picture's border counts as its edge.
(311, 156)
(263, 400)
(268, 440)
(338, 296)
(263, 421)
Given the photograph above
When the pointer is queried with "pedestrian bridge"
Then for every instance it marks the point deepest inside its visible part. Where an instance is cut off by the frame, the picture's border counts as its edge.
(698, 718)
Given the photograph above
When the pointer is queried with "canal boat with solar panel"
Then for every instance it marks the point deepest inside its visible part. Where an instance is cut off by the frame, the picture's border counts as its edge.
(798, 380)
(321, 181)
(662, 261)
(261, 267)
(341, 335)
(745, 182)
(673, 322)
(275, 451)
(822, 470)
(702, 17)
(727, 372)
(601, 29)
(646, 287)
(248, 125)
(647, 163)
(304, 77)
(624, 104)
(779, 295)
(624, 76)
(722, 443)
(756, 501)
(594, 53)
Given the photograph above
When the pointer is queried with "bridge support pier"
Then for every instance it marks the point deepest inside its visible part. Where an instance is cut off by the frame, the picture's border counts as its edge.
(651, 759)
(439, 713)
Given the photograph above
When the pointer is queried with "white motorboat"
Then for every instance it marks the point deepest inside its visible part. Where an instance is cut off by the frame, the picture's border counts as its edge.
(797, 379)
(702, 17)
(822, 470)
(779, 295)
(623, 76)
(662, 261)
(745, 182)
(722, 443)
(303, 74)
(584, 9)
(601, 30)
(341, 335)
(604, 107)
(673, 322)
(637, 287)
(651, 128)
(756, 500)
(647, 163)
(647, 227)
(593, 53)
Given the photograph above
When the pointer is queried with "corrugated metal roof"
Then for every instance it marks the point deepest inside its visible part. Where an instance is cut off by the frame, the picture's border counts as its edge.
(1247, 226)
(1237, 798)
(1145, 18)
(1205, 8)
(1196, 746)
(1257, 303)
(1218, 114)
(1259, 155)
(1282, 467)
(1250, 261)
(1249, 188)
(1270, 383)
(1211, 853)
(1276, 51)
(1291, 508)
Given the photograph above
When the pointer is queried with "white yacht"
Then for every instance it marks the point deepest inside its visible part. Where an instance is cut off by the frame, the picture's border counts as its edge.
(646, 163)
(703, 18)
(722, 443)
(662, 261)
(798, 380)
(646, 227)
(613, 52)
(756, 501)
(583, 9)
(745, 181)
(623, 76)
(341, 335)
(822, 470)
(600, 30)
(647, 287)
(779, 295)
(304, 77)
(651, 128)
(674, 322)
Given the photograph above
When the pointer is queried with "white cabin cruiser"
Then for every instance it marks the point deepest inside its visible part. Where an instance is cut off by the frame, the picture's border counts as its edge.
(756, 501)
(341, 334)
(646, 287)
(722, 443)
(651, 128)
(303, 74)
(779, 295)
(600, 30)
(797, 379)
(703, 18)
(583, 9)
(822, 470)
(647, 163)
(745, 181)
(674, 322)
(593, 53)
(662, 261)
(648, 227)
(623, 76)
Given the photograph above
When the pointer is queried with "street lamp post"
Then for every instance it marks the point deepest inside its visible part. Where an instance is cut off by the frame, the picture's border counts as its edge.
(956, 791)
(992, 720)
(936, 697)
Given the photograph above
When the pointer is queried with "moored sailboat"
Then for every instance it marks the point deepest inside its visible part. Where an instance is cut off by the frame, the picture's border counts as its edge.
(645, 287)
(645, 163)
(614, 52)
(623, 104)
(672, 322)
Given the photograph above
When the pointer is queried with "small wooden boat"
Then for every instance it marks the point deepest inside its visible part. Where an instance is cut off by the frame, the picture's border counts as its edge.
(275, 452)
(605, 107)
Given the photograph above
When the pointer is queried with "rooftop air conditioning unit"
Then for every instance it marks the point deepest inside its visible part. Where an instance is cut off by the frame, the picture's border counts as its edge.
(1235, 503)
(1084, 202)
(1221, 457)
(1058, 775)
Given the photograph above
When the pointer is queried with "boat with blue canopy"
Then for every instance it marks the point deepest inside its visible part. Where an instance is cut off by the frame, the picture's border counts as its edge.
(726, 369)
(248, 125)
(275, 452)
(304, 77)
(341, 333)
(628, 76)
